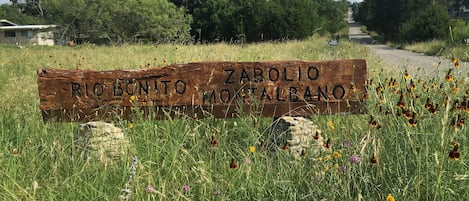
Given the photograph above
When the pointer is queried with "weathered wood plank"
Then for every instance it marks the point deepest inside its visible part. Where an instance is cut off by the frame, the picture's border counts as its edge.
(218, 89)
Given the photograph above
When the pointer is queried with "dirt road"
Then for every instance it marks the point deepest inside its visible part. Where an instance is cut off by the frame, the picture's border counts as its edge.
(402, 59)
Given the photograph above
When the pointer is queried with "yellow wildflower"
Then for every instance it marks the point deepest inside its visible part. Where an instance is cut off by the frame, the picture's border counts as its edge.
(406, 75)
(132, 98)
(252, 149)
(390, 198)
(331, 124)
(457, 64)
(131, 125)
(336, 154)
(326, 168)
(454, 60)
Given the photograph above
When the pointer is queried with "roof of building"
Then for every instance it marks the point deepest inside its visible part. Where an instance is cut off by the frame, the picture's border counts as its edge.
(8, 25)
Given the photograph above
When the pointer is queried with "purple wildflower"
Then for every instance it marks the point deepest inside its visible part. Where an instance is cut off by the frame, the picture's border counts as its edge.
(185, 188)
(217, 192)
(149, 188)
(354, 158)
(346, 144)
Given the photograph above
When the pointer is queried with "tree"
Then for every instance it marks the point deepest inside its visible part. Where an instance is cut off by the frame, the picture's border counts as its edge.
(402, 20)
(14, 14)
(429, 23)
(119, 21)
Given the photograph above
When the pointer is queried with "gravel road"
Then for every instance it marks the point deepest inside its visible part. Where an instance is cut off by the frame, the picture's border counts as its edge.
(402, 59)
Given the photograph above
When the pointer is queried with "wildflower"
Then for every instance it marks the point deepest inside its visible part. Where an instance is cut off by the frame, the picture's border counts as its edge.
(316, 136)
(326, 168)
(454, 154)
(247, 160)
(328, 157)
(336, 154)
(390, 198)
(217, 192)
(374, 123)
(35, 185)
(392, 83)
(127, 191)
(428, 105)
(346, 144)
(449, 77)
(412, 122)
(252, 149)
(374, 160)
(233, 164)
(383, 99)
(185, 188)
(379, 88)
(454, 60)
(150, 188)
(406, 75)
(458, 122)
(433, 108)
(327, 145)
(131, 125)
(457, 64)
(15, 152)
(354, 158)
(132, 98)
(214, 142)
(331, 125)
(412, 85)
(401, 103)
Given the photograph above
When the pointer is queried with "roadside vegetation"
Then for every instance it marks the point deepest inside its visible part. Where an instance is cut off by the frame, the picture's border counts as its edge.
(410, 145)
(425, 26)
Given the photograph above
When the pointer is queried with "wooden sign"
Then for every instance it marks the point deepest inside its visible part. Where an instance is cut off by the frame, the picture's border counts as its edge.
(218, 89)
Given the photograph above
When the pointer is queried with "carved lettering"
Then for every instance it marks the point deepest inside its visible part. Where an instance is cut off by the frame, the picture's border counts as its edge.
(98, 89)
(76, 90)
(229, 79)
(258, 75)
(180, 87)
(338, 92)
(313, 73)
(274, 74)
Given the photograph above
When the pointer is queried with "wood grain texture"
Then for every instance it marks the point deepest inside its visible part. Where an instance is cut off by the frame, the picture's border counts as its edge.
(218, 89)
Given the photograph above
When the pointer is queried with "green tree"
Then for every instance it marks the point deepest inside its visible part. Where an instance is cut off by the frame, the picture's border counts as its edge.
(400, 20)
(13, 13)
(429, 23)
(119, 21)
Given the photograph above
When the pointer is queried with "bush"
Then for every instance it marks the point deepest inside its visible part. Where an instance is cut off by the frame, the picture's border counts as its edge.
(459, 31)
(429, 23)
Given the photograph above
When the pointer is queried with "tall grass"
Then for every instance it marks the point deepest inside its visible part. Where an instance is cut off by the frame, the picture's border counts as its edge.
(176, 160)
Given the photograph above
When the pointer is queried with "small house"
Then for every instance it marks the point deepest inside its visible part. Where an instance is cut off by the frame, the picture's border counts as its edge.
(12, 33)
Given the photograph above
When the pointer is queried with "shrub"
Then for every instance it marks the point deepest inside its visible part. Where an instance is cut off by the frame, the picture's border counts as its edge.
(429, 23)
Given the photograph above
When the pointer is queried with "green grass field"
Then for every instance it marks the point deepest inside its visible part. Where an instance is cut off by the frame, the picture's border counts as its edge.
(401, 147)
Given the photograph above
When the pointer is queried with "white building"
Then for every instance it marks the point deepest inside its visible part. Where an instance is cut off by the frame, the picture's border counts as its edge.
(12, 33)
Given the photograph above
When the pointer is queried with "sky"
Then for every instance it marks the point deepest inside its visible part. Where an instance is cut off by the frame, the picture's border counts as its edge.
(4, 1)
